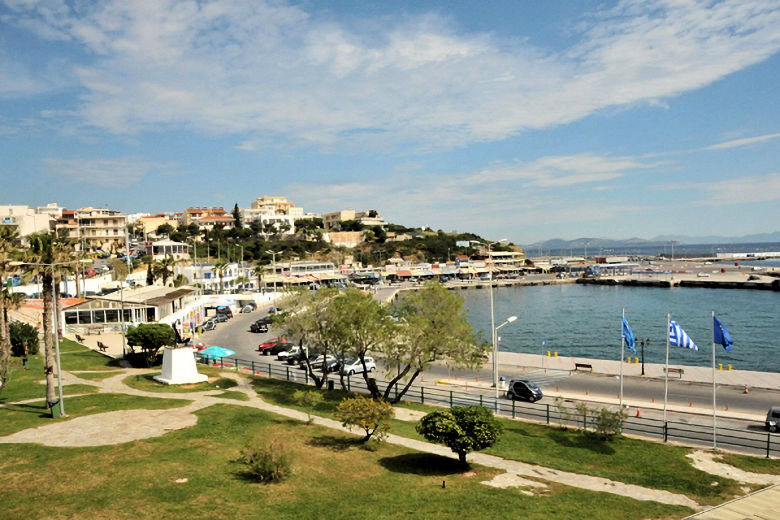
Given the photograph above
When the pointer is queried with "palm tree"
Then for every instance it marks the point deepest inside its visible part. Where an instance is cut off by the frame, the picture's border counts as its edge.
(8, 251)
(42, 252)
(259, 271)
(164, 268)
(220, 267)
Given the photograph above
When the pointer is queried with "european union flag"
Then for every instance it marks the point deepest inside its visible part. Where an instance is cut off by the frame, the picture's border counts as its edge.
(628, 335)
(721, 335)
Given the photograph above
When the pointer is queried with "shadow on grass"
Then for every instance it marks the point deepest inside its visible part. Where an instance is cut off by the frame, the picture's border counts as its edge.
(582, 440)
(335, 443)
(425, 464)
(28, 408)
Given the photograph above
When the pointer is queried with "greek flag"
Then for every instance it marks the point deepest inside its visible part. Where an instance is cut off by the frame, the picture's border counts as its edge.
(628, 335)
(720, 334)
(679, 338)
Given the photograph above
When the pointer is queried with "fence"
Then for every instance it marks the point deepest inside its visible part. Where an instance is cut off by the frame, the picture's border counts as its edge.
(742, 440)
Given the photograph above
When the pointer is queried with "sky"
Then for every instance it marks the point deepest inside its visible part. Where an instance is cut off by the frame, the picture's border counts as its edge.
(524, 120)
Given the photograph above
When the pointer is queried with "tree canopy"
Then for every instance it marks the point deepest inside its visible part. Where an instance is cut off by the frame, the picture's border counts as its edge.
(462, 429)
(150, 337)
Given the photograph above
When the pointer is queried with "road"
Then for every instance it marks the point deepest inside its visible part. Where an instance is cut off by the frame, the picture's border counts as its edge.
(235, 335)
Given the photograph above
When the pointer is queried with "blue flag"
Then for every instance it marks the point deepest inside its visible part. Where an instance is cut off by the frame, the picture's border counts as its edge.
(628, 335)
(720, 334)
(679, 338)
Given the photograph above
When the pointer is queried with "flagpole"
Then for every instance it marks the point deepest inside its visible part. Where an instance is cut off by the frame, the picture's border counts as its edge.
(666, 370)
(714, 403)
(622, 353)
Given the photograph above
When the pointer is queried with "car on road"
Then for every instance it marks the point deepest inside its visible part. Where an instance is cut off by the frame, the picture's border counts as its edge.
(773, 419)
(220, 318)
(258, 327)
(224, 310)
(523, 390)
(354, 366)
(331, 363)
(208, 325)
(270, 343)
(277, 348)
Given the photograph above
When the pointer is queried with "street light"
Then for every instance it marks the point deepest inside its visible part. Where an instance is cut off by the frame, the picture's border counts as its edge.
(55, 327)
(492, 312)
(273, 255)
(495, 351)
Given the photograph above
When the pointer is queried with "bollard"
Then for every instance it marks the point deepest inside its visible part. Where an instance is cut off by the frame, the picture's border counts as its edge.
(729, 367)
(636, 360)
(555, 354)
(720, 366)
(548, 353)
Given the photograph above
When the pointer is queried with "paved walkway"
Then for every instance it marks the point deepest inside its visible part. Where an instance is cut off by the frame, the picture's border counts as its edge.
(127, 425)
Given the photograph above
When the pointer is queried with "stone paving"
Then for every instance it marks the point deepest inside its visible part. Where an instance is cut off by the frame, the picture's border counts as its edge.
(127, 425)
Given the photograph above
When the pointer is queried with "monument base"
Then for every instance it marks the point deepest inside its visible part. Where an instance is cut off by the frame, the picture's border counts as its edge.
(179, 367)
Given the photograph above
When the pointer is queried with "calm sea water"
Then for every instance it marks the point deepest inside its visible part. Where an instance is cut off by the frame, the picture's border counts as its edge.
(584, 321)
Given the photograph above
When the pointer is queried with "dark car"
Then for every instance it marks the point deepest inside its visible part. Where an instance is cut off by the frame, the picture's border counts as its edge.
(208, 325)
(224, 310)
(523, 390)
(276, 348)
(259, 326)
(773, 419)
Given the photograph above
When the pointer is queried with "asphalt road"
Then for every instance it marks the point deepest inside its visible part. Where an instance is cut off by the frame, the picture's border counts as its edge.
(235, 335)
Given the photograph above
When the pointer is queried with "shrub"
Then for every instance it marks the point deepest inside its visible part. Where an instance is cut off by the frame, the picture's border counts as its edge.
(608, 423)
(370, 415)
(23, 334)
(564, 415)
(269, 463)
(463, 429)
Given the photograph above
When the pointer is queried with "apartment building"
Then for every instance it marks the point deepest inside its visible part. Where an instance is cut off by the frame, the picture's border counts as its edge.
(369, 218)
(25, 219)
(191, 215)
(98, 228)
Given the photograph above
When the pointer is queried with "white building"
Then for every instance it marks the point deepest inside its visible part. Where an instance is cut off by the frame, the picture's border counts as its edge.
(25, 219)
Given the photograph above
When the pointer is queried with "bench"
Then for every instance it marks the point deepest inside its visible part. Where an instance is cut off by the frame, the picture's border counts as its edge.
(79, 339)
(678, 371)
(583, 366)
(102, 346)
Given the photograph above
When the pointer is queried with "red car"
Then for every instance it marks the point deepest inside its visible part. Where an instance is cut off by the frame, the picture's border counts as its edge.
(270, 343)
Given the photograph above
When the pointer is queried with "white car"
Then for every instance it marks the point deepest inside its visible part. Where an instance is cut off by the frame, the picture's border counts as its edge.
(353, 366)
(284, 354)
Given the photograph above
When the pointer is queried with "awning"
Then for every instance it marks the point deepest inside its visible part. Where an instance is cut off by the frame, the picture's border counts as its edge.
(403, 273)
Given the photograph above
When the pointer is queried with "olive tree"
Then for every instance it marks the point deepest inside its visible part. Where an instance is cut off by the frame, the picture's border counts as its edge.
(433, 327)
(370, 415)
(150, 337)
(462, 429)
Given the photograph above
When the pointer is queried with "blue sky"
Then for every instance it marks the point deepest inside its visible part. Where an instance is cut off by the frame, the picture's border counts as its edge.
(526, 120)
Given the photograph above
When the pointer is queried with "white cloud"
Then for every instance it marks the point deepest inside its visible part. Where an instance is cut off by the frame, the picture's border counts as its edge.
(747, 141)
(763, 188)
(107, 173)
(258, 70)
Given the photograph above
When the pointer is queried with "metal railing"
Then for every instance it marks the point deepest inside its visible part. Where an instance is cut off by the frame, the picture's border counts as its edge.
(740, 440)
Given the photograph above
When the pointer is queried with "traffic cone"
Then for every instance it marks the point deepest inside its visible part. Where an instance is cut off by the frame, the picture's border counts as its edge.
(746, 391)
(638, 412)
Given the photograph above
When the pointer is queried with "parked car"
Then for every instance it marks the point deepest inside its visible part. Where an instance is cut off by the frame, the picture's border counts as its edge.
(220, 318)
(523, 390)
(773, 419)
(258, 326)
(277, 348)
(354, 366)
(270, 343)
(225, 311)
(246, 309)
(284, 355)
(331, 363)
(208, 325)
(297, 356)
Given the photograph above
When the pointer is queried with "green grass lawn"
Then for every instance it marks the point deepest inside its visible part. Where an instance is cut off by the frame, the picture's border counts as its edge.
(96, 376)
(17, 417)
(29, 384)
(752, 464)
(147, 383)
(332, 478)
(233, 394)
(75, 356)
(649, 464)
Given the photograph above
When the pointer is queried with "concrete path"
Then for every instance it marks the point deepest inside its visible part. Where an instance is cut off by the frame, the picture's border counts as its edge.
(127, 425)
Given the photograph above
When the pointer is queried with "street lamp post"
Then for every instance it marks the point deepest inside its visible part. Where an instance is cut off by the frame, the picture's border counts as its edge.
(495, 351)
(273, 260)
(492, 311)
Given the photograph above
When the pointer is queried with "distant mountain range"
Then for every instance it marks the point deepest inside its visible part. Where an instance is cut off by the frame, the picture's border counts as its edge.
(661, 240)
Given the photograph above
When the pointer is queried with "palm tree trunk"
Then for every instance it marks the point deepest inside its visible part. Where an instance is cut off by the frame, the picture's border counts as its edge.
(48, 343)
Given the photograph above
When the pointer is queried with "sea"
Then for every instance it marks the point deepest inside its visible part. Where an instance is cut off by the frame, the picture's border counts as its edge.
(585, 321)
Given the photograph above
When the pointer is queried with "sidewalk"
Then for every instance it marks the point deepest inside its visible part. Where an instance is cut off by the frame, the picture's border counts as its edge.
(693, 374)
